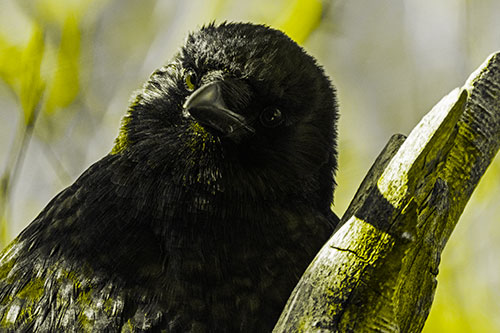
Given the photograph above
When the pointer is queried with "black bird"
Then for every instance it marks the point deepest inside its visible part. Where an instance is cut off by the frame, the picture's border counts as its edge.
(213, 201)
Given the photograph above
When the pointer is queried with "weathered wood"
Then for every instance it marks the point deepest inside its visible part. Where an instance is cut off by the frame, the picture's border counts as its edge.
(378, 271)
(385, 156)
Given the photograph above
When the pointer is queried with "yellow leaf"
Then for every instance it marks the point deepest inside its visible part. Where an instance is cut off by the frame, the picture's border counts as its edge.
(10, 68)
(4, 232)
(302, 17)
(65, 83)
(31, 83)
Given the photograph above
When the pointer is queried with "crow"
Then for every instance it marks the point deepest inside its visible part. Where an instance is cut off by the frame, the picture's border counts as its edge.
(213, 200)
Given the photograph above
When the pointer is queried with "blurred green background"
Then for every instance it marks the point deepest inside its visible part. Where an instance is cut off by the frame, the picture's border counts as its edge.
(68, 68)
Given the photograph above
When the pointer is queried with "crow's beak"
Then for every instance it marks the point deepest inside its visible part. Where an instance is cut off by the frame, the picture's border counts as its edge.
(206, 105)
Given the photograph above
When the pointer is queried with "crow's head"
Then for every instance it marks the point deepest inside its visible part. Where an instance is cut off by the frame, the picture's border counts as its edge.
(239, 100)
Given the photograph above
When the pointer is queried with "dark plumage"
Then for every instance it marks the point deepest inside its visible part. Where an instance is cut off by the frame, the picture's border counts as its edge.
(207, 211)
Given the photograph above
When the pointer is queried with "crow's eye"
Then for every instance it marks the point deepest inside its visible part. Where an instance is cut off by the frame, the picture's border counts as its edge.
(271, 117)
(190, 80)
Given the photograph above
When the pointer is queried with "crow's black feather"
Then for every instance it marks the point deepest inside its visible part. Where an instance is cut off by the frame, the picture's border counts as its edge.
(207, 211)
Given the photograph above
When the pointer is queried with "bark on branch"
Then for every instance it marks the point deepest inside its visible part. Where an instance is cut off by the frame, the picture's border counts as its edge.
(378, 271)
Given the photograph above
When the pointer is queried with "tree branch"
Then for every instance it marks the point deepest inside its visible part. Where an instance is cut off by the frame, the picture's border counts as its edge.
(378, 271)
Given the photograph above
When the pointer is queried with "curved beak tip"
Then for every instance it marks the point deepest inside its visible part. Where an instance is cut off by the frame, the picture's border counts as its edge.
(207, 106)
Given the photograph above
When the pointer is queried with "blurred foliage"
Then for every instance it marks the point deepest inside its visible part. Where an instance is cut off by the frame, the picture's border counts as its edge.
(56, 12)
(68, 68)
(20, 68)
(300, 19)
(65, 84)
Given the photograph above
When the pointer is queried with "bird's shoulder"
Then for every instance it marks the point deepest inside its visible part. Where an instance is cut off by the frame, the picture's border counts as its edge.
(70, 270)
